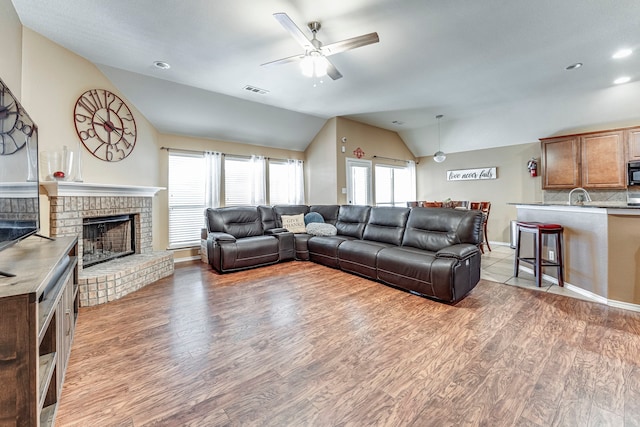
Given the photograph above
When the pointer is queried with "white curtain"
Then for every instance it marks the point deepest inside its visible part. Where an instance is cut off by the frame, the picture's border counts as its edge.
(296, 181)
(213, 177)
(411, 166)
(259, 187)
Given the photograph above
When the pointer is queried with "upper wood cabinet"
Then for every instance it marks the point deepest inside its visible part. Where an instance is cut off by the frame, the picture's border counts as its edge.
(603, 161)
(561, 163)
(590, 160)
(633, 136)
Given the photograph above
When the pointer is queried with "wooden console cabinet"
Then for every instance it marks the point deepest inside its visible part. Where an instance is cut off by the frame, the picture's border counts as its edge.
(38, 314)
(589, 160)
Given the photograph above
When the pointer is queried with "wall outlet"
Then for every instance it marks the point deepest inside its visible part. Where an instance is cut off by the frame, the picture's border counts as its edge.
(552, 256)
(344, 190)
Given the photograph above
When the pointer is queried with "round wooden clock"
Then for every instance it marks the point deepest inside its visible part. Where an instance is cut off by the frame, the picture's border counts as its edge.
(105, 125)
(15, 126)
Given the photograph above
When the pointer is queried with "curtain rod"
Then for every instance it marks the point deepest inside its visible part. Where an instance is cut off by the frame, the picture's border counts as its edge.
(389, 158)
(224, 154)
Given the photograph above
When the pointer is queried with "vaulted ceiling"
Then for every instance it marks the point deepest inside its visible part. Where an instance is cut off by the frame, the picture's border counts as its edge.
(494, 68)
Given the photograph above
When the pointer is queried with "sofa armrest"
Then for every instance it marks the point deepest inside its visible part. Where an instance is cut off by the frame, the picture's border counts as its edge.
(216, 236)
(460, 251)
(272, 231)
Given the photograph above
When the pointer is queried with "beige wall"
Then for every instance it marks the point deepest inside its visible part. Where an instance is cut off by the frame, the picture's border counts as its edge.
(320, 169)
(512, 185)
(53, 78)
(373, 141)
(11, 36)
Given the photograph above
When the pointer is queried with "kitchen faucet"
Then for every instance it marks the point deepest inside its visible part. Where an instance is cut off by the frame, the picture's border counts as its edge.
(586, 197)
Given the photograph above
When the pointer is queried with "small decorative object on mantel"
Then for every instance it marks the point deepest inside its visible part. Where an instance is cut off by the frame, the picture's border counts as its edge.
(472, 174)
(358, 153)
(105, 125)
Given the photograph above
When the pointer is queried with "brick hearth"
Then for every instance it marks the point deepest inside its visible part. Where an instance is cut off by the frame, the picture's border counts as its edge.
(71, 202)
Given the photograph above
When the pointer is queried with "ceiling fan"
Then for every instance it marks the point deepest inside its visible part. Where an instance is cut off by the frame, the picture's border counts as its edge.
(314, 60)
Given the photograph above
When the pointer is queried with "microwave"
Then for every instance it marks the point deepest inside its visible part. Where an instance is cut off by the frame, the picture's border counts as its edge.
(633, 173)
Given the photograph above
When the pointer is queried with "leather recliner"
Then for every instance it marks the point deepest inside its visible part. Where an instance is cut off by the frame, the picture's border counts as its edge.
(236, 240)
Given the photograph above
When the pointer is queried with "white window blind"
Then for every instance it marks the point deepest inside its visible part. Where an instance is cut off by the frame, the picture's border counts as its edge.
(187, 184)
(244, 181)
(286, 182)
(278, 183)
(395, 186)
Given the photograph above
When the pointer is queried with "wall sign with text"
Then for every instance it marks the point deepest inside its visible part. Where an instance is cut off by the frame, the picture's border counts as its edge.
(472, 174)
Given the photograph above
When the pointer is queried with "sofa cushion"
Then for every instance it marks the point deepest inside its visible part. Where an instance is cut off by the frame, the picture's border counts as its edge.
(352, 219)
(312, 217)
(293, 223)
(432, 229)
(406, 267)
(386, 224)
(279, 210)
(321, 229)
(267, 216)
(359, 256)
(240, 221)
(328, 212)
(324, 249)
(250, 252)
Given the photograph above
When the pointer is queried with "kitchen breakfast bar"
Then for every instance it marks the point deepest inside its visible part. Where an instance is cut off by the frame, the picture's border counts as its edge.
(601, 248)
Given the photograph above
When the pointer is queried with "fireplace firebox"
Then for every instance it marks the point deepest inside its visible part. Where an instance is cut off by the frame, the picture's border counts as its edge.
(106, 238)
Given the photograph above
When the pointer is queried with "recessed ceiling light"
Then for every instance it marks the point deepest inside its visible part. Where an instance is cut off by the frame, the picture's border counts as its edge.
(161, 65)
(621, 80)
(622, 53)
(573, 66)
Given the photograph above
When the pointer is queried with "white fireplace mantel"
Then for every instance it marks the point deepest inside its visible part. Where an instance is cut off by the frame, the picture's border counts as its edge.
(70, 188)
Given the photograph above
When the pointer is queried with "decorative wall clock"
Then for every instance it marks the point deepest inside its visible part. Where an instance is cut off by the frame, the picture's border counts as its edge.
(105, 125)
(15, 125)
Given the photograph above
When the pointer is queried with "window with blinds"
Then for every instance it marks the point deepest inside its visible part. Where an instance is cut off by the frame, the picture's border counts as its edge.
(186, 198)
(393, 185)
(279, 182)
(238, 181)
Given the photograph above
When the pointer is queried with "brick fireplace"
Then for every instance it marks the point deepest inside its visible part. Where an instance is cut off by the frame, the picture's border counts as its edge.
(73, 204)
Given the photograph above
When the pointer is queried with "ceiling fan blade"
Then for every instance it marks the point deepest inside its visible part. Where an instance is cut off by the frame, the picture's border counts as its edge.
(332, 71)
(293, 58)
(348, 44)
(293, 29)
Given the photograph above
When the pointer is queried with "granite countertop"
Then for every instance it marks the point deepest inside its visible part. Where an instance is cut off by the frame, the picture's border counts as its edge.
(595, 204)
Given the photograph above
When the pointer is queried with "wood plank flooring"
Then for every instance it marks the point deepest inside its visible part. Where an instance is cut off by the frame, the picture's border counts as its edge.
(299, 344)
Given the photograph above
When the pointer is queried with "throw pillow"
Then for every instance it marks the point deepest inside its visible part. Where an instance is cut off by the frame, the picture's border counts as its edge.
(312, 217)
(321, 229)
(293, 223)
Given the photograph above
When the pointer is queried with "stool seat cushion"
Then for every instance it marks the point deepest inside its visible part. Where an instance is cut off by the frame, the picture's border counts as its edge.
(539, 225)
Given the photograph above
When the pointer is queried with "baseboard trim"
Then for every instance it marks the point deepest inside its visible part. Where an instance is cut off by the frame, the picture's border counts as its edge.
(590, 295)
(185, 259)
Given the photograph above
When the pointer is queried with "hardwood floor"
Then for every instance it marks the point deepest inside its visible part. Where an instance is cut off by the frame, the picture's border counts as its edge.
(298, 344)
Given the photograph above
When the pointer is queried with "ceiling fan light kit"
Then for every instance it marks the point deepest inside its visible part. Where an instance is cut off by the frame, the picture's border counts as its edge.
(314, 61)
(314, 65)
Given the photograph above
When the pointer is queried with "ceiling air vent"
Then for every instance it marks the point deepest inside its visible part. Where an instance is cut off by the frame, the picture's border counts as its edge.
(256, 89)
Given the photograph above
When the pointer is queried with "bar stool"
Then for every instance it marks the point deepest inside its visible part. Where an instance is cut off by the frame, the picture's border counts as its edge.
(539, 229)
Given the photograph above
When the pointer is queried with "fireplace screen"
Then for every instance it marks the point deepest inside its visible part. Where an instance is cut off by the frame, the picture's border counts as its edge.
(106, 238)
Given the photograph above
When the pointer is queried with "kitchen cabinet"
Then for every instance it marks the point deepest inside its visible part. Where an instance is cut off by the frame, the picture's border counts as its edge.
(561, 163)
(633, 137)
(589, 160)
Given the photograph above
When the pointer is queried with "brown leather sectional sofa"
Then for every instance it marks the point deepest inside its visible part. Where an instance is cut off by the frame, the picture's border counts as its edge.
(432, 252)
